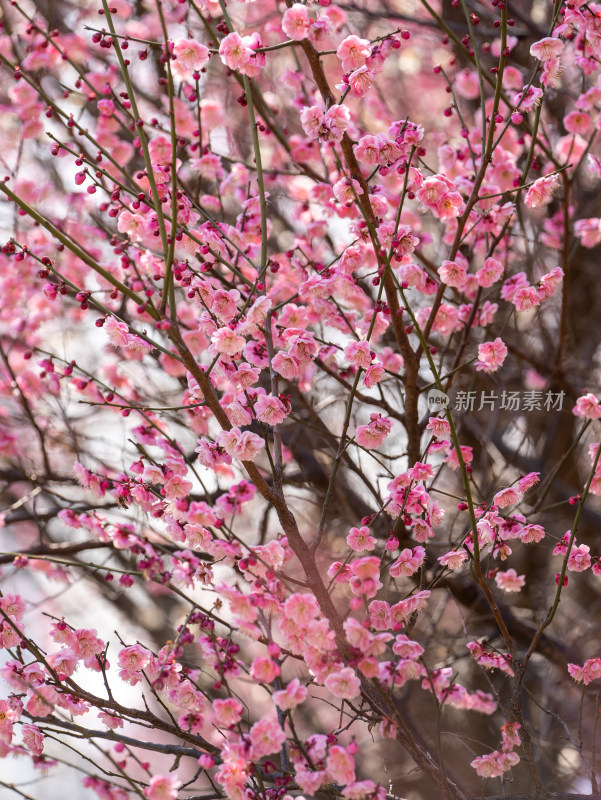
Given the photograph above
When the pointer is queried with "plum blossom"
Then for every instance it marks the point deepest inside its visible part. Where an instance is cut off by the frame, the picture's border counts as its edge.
(579, 558)
(134, 225)
(340, 765)
(346, 190)
(494, 764)
(162, 787)
(326, 126)
(266, 737)
(358, 354)
(408, 562)
(467, 456)
(589, 671)
(191, 56)
(33, 738)
(372, 435)
(588, 231)
(453, 274)
(228, 712)
(587, 406)
(510, 581)
(270, 410)
(344, 684)
(296, 22)
(546, 48)
(117, 331)
(490, 272)
(227, 342)
(491, 355)
(360, 81)
(359, 539)
(243, 445)
(234, 51)
(541, 191)
(286, 365)
(293, 695)
(373, 375)
(454, 559)
(353, 52)
(507, 497)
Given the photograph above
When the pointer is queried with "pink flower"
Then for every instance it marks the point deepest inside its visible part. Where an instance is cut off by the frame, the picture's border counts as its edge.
(353, 52)
(327, 126)
(532, 533)
(41, 701)
(541, 191)
(587, 406)
(133, 660)
(191, 57)
(293, 695)
(453, 274)
(162, 788)
(449, 206)
(379, 615)
(266, 737)
(528, 481)
(8, 716)
(13, 605)
(491, 355)
(177, 487)
(546, 48)
(365, 576)
(589, 671)
(340, 765)
(269, 409)
(467, 455)
(510, 581)
(344, 684)
(490, 272)
(286, 365)
(227, 342)
(336, 121)
(134, 225)
(367, 151)
(577, 122)
(117, 332)
(234, 52)
(372, 436)
(223, 305)
(525, 298)
(33, 738)
(401, 611)
(359, 539)
(64, 662)
(302, 608)
(454, 559)
(360, 81)
(408, 562)
(358, 354)
(346, 191)
(579, 559)
(373, 375)
(494, 764)
(588, 231)
(264, 670)
(243, 445)
(439, 427)
(228, 712)
(296, 22)
(507, 497)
